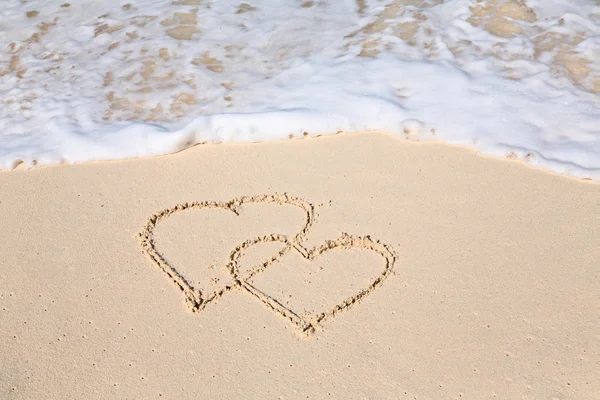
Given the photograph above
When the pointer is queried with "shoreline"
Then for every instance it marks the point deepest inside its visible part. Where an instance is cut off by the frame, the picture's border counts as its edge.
(406, 138)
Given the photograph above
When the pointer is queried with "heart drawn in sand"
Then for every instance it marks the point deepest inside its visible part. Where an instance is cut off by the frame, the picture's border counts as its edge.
(196, 298)
(307, 324)
(243, 280)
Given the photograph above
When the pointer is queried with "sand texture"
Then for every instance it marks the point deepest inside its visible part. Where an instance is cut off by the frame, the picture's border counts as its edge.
(348, 267)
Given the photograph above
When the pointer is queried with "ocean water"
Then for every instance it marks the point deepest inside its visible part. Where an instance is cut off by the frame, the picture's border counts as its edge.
(113, 79)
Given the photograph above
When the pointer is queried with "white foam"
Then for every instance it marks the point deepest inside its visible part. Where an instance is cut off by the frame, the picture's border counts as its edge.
(95, 81)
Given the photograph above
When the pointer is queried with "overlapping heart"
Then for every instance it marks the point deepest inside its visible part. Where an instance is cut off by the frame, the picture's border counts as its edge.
(197, 300)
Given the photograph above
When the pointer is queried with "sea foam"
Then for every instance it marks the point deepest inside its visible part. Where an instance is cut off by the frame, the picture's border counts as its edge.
(109, 80)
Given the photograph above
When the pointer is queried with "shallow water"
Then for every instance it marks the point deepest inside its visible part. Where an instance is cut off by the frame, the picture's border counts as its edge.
(108, 80)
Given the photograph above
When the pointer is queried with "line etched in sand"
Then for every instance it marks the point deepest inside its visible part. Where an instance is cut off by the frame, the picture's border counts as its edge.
(306, 324)
(194, 297)
(309, 323)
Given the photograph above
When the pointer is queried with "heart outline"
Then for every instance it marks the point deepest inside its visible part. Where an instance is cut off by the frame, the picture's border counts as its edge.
(193, 296)
(310, 326)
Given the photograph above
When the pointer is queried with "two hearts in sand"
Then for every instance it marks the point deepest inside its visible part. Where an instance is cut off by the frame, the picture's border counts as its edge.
(307, 323)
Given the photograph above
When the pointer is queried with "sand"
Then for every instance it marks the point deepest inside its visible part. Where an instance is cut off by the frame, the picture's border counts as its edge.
(357, 267)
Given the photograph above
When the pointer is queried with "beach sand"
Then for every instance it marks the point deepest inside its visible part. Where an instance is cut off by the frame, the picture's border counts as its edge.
(459, 276)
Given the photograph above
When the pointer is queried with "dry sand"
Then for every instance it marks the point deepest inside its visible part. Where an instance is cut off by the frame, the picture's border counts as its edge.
(484, 282)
